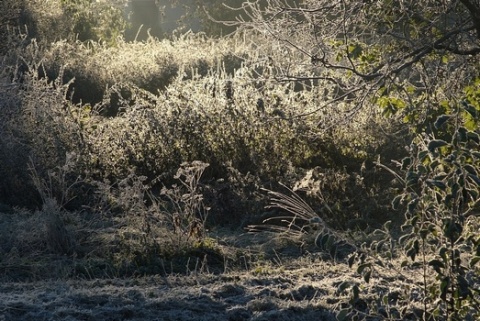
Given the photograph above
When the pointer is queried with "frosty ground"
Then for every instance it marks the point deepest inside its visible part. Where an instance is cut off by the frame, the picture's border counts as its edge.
(301, 288)
(278, 294)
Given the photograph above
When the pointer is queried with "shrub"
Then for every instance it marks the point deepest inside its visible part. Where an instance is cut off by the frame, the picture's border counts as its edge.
(270, 131)
(36, 126)
(441, 192)
(440, 196)
(150, 65)
(85, 20)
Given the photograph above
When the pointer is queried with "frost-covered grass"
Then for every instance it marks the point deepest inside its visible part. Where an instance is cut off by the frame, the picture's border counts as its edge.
(284, 289)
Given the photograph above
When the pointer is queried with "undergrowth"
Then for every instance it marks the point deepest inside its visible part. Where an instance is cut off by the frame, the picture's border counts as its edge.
(113, 138)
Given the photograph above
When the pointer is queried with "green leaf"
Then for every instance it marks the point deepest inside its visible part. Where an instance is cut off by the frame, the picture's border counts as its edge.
(412, 249)
(441, 176)
(356, 292)
(411, 253)
(437, 265)
(472, 136)
(452, 230)
(397, 201)
(436, 143)
(366, 275)
(448, 199)
(469, 168)
(444, 254)
(385, 299)
(462, 134)
(355, 51)
(475, 179)
(422, 168)
(379, 263)
(436, 183)
(476, 154)
(379, 246)
(463, 287)
(454, 190)
(362, 267)
(412, 178)
(342, 315)
(406, 162)
(412, 206)
(342, 287)
(351, 260)
(423, 233)
(441, 120)
(423, 156)
(323, 241)
(404, 237)
(470, 109)
(474, 261)
(444, 287)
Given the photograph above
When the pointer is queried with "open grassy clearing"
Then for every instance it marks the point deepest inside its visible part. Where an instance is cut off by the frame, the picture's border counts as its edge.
(244, 276)
(280, 288)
